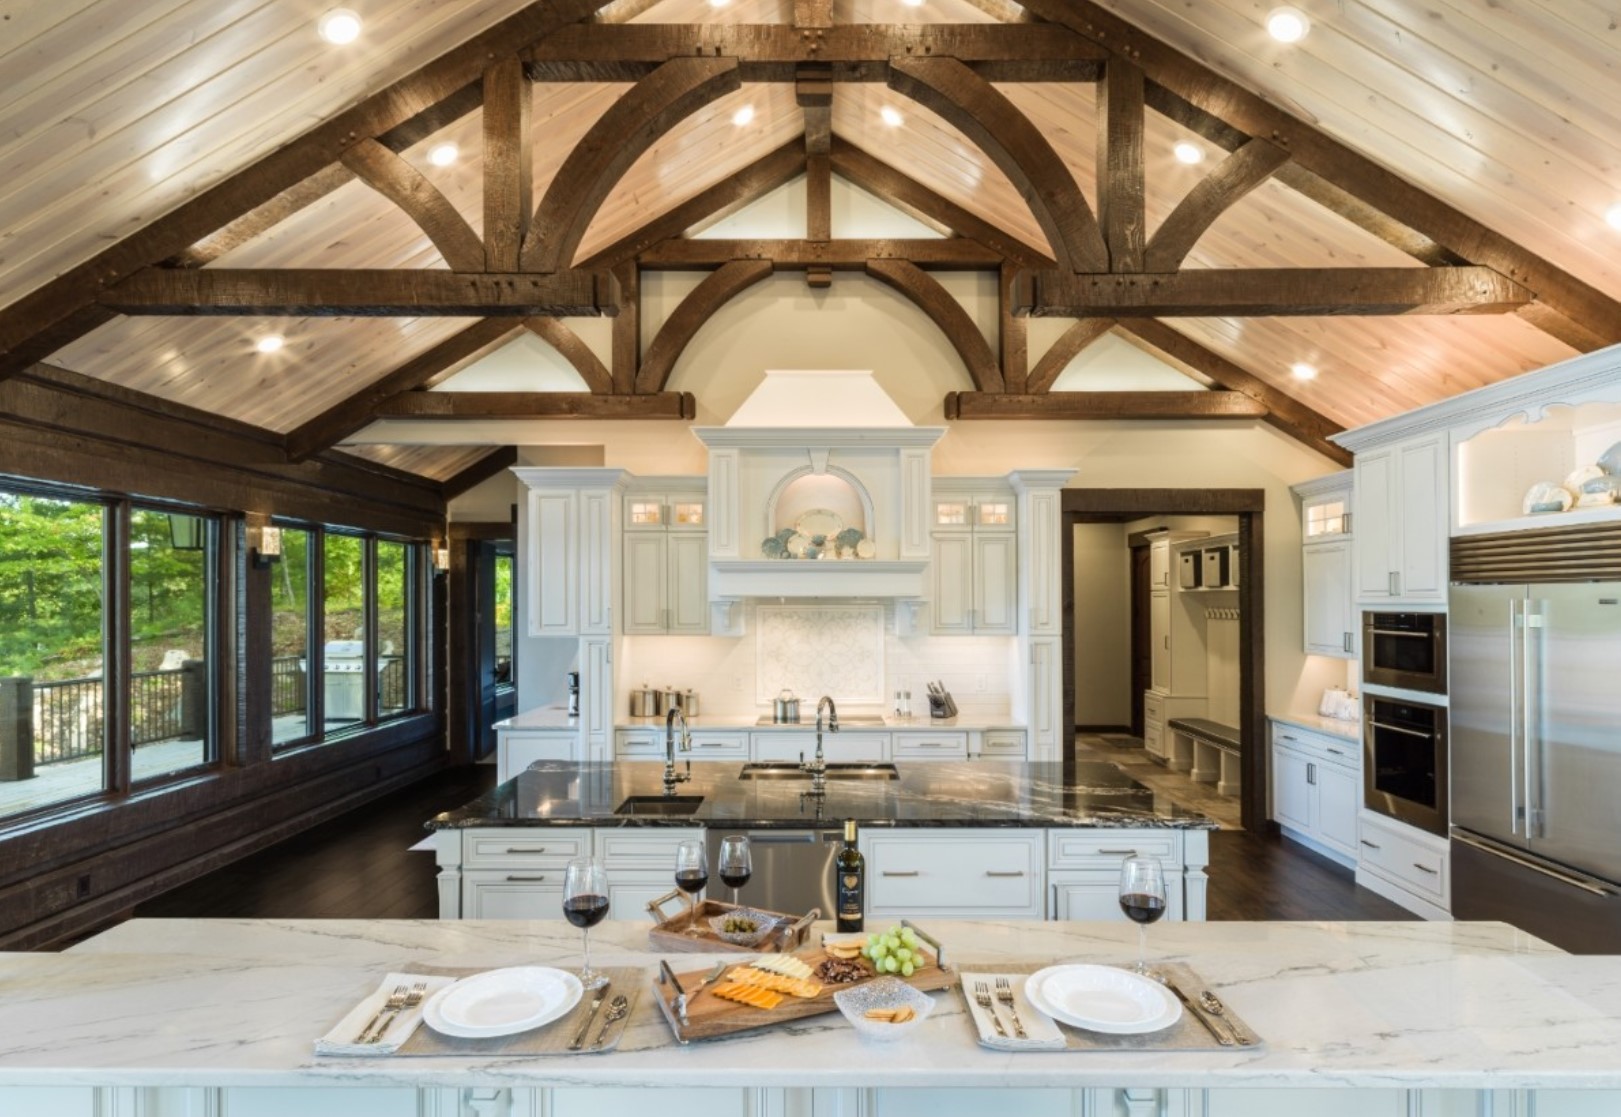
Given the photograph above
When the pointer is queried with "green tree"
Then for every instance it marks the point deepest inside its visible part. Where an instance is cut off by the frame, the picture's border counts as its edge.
(50, 586)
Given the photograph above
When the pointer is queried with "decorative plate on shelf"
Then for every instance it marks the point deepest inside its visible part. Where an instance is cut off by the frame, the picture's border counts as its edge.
(819, 521)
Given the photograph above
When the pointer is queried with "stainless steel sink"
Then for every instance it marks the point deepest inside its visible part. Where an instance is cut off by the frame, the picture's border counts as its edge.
(788, 770)
(659, 806)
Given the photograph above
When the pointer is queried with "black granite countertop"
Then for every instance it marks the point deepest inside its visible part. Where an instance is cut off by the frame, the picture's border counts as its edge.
(926, 794)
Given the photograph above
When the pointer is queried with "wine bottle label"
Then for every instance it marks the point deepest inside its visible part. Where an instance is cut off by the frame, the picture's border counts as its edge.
(850, 897)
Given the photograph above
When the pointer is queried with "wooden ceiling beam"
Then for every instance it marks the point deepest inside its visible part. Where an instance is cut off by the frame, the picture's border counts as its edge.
(1215, 193)
(1270, 292)
(556, 333)
(627, 329)
(536, 405)
(949, 254)
(508, 163)
(1298, 420)
(354, 411)
(994, 124)
(1120, 175)
(918, 201)
(379, 293)
(813, 92)
(1069, 345)
(1012, 332)
(945, 312)
(421, 201)
(1318, 153)
(683, 324)
(854, 52)
(632, 123)
(1071, 406)
(493, 464)
(62, 310)
(721, 200)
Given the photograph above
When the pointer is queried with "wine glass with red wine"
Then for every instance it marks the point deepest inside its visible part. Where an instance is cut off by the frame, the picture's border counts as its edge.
(735, 864)
(1142, 898)
(585, 904)
(691, 874)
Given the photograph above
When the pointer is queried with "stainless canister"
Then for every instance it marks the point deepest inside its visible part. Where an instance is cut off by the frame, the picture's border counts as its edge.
(785, 707)
(644, 702)
(669, 699)
(689, 702)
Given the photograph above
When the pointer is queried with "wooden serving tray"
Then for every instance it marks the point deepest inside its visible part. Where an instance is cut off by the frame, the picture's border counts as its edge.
(710, 1017)
(669, 933)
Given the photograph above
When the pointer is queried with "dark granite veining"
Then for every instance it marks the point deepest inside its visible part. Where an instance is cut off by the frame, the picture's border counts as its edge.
(927, 794)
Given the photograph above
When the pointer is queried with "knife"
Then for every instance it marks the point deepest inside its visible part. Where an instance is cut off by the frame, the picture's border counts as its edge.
(596, 1003)
(1200, 1014)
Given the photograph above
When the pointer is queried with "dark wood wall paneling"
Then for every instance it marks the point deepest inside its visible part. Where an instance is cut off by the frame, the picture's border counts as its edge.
(75, 868)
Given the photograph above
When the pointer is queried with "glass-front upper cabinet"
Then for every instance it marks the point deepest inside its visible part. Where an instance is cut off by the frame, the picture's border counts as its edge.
(974, 507)
(673, 507)
(1325, 507)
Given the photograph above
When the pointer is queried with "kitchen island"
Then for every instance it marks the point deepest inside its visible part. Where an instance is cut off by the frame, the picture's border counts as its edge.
(168, 1017)
(975, 839)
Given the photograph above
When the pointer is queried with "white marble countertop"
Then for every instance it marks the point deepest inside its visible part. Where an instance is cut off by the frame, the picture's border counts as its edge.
(861, 723)
(215, 1002)
(547, 717)
(1334, 727)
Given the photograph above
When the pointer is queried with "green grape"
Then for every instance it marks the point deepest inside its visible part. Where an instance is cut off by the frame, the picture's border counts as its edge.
(878, 952)
(891, 964)
(903, 956)
(866, 950)
(908, 936)
(872, 939)
(891, 942)
(906, 969)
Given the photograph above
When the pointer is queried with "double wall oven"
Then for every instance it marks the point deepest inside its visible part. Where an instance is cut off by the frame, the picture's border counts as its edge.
(1404, 736)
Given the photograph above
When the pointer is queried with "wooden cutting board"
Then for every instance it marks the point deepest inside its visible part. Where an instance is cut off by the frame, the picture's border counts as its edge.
(712, 1017)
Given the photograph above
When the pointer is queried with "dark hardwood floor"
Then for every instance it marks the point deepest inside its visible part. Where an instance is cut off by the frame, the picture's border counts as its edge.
(359, 866)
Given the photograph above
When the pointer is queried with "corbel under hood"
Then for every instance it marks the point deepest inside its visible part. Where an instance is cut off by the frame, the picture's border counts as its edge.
(815, 439)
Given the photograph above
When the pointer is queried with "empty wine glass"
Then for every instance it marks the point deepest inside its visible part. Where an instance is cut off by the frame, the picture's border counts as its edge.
(691, 874)
(735, 864)
(585, 904)
(1142, 898)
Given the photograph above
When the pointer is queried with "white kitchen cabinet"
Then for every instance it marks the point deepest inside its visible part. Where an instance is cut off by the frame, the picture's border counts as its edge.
(1402, 863)
(952, 574)
(707, 744)
(911, 744)
(1095, 894)
(640, 866)
(515, 893)
(1317, 790)
(842, 747)
(1046, 699)
(1402, 522)
(971, 874)
(681, 507)
(1329, 603)
(517, 749)
(1159, 629)
(666, 583)
(974, 568)
(997, 744)
(570, 524)
(597, 695)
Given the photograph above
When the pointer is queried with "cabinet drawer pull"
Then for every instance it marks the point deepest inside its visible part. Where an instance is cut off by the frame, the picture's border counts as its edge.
(714, 745)
(1426, 869)
(526, 849)
(995, 873)
(1336, 752)
(895, 873)
(1371, 845)
(1118, 852)
(1285, 737)
(512, 878)
(1345, 642)
(928, 744)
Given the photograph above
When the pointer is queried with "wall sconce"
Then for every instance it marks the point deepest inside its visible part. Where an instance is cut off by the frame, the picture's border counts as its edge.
(441, 556)
(264, 544)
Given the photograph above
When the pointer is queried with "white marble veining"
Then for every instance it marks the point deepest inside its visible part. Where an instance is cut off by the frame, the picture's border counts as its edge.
(1414, 1005)
(1316, 723)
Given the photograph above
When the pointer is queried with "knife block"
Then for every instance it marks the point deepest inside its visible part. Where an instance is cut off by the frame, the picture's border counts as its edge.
(941, 706)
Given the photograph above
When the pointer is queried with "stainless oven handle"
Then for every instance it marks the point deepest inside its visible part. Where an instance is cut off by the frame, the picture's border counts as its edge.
(1585, 883)
(1403, 729)
(1402, 632)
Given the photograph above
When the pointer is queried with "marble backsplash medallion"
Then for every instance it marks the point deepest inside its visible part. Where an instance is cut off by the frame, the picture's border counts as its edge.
(820, 649)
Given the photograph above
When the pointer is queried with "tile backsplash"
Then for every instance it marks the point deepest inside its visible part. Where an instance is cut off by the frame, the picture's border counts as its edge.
(847, 650)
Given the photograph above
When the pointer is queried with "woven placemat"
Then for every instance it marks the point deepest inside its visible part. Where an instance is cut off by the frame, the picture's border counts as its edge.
(1187, 1034)
(550, 1039)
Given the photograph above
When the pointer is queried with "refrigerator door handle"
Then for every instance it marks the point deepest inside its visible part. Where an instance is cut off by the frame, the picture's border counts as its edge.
(1530, 738)
(1575, 880)
(1516, 637)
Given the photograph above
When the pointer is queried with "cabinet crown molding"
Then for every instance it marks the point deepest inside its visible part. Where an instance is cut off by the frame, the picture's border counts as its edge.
(777, 438)
(571, 477)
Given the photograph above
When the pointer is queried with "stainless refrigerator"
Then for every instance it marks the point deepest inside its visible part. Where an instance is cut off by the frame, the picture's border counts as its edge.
(1536, 759)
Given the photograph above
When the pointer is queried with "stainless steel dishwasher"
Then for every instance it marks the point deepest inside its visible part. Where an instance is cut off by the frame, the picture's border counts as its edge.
(793, 870)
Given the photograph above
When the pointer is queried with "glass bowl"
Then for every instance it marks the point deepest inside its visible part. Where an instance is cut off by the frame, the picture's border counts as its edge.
(883, 992)
(765, 926)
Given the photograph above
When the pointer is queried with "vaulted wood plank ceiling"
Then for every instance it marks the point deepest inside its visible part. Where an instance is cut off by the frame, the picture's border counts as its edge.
(110, 121)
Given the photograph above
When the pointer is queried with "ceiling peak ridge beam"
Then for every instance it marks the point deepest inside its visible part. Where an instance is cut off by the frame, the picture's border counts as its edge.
(853, 52)
(1269, 292)
(1566, 306)
(1095, 406)
(64, 309)
(535, 405)
(689, 316)
(948, 314)
(984, 114)
(1285, 412)
(508, 163)
(631, 125)
(943, 254)
(420, 200)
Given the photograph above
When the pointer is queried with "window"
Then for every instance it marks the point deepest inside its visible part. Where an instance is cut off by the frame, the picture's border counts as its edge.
(343, 683)
(290, 654)
(52, 651)
(171, 640)
(392, 604)
(503, 620)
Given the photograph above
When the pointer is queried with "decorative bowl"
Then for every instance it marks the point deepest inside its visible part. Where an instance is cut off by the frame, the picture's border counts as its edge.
(883, 992)
(765, 926)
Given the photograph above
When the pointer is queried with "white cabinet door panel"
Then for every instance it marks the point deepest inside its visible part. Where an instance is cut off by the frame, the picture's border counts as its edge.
(645, 590)
(318, 1101)
(1159, 628)
(1296, 1103)
(953, 574)
(1291, 793)
(513, 894)
(687, 583)
(1326, 573)
(1339, 795)
(553, 571)
(1424, 521)
(1374, 532)
(996, 582)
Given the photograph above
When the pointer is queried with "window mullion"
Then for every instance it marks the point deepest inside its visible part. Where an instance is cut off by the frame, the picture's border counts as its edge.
(116, 654)
(369, 613)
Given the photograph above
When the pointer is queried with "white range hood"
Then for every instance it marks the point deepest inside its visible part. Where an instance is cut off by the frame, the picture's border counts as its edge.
(819, 447)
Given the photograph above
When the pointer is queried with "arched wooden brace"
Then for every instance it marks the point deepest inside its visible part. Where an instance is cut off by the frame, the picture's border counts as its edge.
(556, 334)
(718, 288)
(408, 188)
(976, 108)
(1070, 344)
(1213, 195)
(947, 313)
(656, 104)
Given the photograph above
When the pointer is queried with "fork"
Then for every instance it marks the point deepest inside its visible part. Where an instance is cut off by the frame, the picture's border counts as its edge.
(395, 1002)
(1004, 993)
(411, 1000)
(982, 994)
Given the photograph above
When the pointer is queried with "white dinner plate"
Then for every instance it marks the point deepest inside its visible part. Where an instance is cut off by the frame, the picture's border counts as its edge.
(1103, 999)
(502, 1002)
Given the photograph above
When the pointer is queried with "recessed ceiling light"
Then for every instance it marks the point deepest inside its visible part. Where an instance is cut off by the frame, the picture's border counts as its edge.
(1614, 217)
(913, 3)
(1189, 153)
(443, 155)
(1300, 370)
(719, 3)
(340, 26)
(891, 116)
(1287, 25)
(743, 115)
(269, 343)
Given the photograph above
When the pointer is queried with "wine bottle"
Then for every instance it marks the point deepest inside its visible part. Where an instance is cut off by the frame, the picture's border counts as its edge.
(850, 870)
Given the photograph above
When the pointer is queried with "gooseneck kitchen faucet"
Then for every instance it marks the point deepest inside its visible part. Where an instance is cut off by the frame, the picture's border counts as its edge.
(670, 777)
(818, 767)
